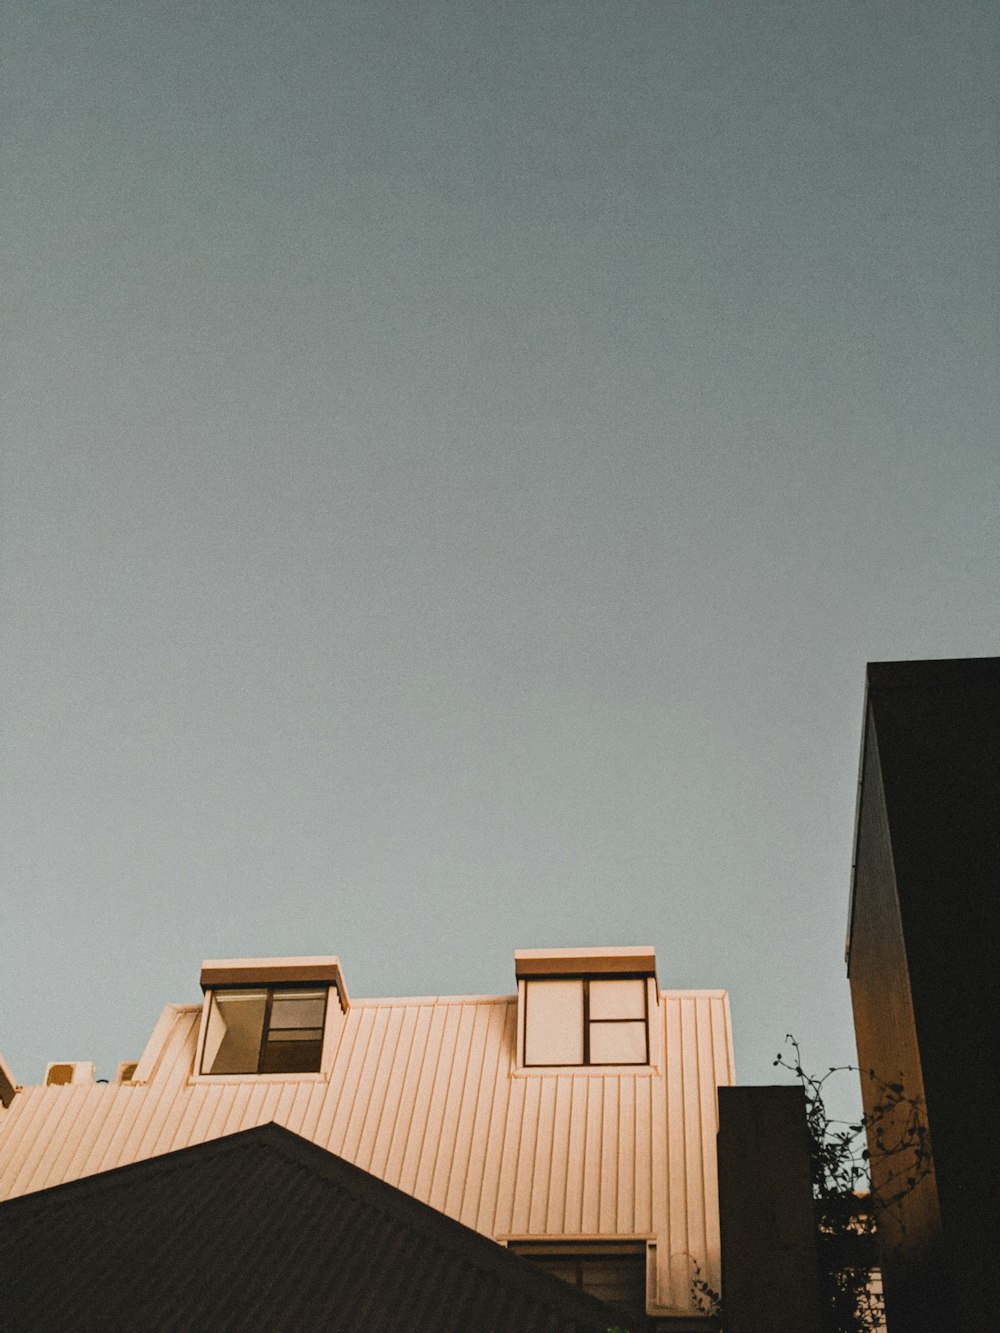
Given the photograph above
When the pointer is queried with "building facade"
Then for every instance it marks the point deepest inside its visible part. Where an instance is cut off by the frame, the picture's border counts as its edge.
(574, 1121)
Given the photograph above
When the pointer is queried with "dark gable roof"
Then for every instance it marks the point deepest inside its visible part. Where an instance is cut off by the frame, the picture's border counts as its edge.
(262, 1230)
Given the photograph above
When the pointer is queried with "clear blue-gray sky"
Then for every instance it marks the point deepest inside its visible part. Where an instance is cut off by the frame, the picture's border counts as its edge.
(458, 459)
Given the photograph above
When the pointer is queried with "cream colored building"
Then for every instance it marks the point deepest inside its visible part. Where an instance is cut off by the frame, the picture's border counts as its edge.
(574, 1120)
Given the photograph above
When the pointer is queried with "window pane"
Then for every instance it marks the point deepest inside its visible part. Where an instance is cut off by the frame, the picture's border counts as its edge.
(618, 1043)
(293, 1057)
(615, 1274)
(618, 999)
(618, 1281)
(235, 1024)
(554, 1023)
(300, 1009)
(567, 1270)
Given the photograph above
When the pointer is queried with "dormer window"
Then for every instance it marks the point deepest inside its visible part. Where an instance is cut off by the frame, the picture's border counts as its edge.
(585, 1006)
(269, 1016)
(274, 1030)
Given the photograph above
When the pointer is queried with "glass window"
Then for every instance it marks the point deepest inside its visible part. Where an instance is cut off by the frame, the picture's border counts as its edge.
(613, 1272)
(235, 1025)
(553, 1033)
(618, 999)
(618, 1043)
(585, 1021)
(294, 1041)
(265, 1030)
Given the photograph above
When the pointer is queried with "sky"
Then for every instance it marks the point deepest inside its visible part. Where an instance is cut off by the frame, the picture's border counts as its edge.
(458, 459)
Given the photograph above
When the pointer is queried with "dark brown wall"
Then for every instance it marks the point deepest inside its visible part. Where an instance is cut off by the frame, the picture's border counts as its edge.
(263, 1232)
(917, 1282)
(923, 955)
(769, 1261)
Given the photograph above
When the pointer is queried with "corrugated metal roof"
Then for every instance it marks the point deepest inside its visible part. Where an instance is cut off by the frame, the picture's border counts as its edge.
(263, 1231)
(424, 1093)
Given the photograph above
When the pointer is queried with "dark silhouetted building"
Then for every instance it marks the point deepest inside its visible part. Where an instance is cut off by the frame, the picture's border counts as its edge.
(770, 1272)
(922, 961)
(263, 1230)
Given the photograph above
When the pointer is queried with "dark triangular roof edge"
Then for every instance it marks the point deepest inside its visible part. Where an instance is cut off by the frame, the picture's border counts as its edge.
(473, 1247)
(932, 673)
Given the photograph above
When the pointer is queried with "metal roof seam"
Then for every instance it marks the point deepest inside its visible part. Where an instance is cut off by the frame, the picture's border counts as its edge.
(447, 1140)
(509, 1158)
(544, 1146)
(552, 1194)
(12, 1132)
(370, 1095)
(464, 1116)
(436, 1105)
(116, 1110)
(524, 1156)
(336, 1087)
(416, 1120)
(493, 1147)
(15, 1129)
(404, 1044)
(101, 1102)
(353, 1121)
(382, 1137)
(483, 1116)
(45, 1170)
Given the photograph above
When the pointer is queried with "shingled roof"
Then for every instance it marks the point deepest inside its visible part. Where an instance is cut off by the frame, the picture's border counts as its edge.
(263, 1230)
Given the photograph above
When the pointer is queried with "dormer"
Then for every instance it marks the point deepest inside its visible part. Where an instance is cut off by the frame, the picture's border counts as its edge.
(274, 1018)
(585, 1007)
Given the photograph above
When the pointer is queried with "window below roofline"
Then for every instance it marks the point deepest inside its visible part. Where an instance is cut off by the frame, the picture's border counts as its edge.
(619, 1270)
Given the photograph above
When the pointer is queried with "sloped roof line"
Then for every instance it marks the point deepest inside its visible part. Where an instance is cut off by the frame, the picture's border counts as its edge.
(509, 1270)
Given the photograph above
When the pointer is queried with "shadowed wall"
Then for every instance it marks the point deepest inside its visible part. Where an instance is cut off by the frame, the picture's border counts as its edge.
(921, 955)
(769, 1260)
